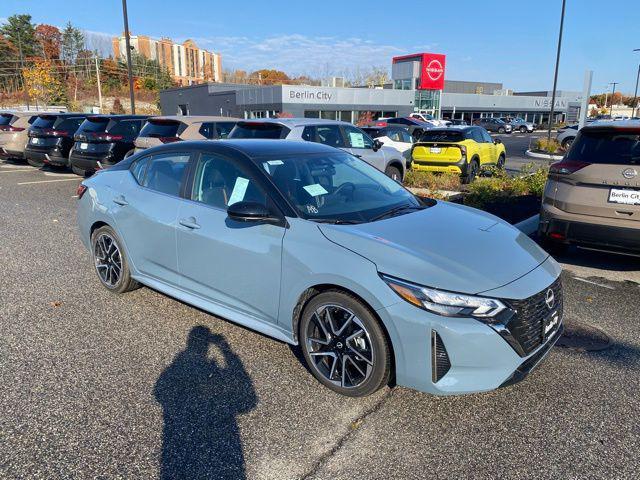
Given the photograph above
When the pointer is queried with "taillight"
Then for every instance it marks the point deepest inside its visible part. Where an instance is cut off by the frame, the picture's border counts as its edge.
(169, 139)
(108, 137)
(55, 133)
(15, 129)
(80, 190)
(566, 167)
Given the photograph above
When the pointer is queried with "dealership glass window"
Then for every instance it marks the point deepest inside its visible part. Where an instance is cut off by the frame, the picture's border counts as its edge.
(311, 114)
(389, 114)
(328, 114)
(346, 116)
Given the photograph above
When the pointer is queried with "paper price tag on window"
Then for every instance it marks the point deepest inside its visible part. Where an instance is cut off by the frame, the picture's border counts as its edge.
(275, 162)
(357, 139)
(315, 190)
(239, 190)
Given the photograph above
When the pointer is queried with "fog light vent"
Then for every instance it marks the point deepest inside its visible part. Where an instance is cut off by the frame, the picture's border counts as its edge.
(440, 363)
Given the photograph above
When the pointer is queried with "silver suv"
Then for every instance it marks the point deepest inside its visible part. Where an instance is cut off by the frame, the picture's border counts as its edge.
(342, 135)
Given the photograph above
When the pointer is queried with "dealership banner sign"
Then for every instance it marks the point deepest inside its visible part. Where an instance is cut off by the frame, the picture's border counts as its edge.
(432, 74)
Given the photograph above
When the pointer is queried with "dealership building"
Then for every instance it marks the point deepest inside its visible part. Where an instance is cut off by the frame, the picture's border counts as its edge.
(418, 85)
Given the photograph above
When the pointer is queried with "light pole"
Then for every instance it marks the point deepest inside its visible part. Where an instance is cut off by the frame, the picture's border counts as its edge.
(555, 75)
(613, 92)
(606, 95)
(635, 94)
(128, 47)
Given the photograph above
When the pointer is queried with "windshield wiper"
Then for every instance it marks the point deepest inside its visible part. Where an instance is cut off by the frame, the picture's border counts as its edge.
(396, 210)
(334, 221)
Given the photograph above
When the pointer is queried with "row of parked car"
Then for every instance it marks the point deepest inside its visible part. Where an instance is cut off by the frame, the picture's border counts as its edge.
(85, 143)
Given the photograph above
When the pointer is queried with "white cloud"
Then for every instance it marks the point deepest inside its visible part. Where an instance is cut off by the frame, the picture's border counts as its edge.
(299, 54)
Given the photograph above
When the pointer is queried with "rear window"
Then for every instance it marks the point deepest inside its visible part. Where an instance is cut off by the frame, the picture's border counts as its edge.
(45, 121)
(69, 124)
(223, 129)
(616, 147)
(440, 136)
(94, 125)
(160, 128)
(259, 130)
(5, 119)
(127, 128)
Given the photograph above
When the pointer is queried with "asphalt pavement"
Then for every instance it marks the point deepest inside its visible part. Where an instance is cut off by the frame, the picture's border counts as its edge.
(516, 144)
(96, 385)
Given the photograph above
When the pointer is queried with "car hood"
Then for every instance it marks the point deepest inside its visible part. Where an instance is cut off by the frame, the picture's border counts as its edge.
(446, 246)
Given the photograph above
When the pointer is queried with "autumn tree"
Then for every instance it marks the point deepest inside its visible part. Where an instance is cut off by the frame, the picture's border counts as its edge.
(270, 77)
(50, 39)
(365, 118)
(8, 56)
(117, 107)
(41, 82)
(19, 30)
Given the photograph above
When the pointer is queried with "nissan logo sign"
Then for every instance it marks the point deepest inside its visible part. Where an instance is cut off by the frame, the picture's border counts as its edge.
(434, 69)
(550, 299)
(629, 173)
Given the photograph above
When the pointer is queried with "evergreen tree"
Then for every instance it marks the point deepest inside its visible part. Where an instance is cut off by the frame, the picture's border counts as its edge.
(21, 33)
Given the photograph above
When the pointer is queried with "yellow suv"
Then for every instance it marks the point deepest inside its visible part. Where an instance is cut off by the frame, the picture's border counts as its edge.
(463, 150)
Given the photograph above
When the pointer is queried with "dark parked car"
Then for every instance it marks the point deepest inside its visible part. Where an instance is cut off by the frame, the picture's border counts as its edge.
(104, 140)
(457, 121)
(493, 125)
(416, 127)
(51, 138)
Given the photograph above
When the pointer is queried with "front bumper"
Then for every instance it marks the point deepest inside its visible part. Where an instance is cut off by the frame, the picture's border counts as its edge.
(479, 358)
(618, 235)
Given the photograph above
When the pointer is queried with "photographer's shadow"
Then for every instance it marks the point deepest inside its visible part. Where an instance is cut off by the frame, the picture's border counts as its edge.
(200, 400)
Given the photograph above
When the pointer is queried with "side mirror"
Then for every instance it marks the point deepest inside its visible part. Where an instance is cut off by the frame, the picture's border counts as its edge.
(496, 141)
(377, 145)
(250, 212)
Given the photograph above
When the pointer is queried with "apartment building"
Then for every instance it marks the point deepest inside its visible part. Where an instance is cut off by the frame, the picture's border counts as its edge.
(187, 64)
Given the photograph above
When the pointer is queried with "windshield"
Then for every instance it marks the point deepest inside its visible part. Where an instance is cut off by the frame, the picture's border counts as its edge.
(336, 187)
(618, 147)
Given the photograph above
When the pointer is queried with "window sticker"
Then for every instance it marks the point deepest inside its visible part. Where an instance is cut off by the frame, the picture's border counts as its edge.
(357, 139)
(315, 190)
(239, 190)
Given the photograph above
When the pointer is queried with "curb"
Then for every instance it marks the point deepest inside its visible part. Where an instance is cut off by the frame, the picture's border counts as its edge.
(544, 156)
(528, 226)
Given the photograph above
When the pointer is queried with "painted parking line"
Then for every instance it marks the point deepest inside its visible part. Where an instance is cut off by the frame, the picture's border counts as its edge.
(12, 166)
(16, 171)
(593, 283)
(50, 181)
(61, 175)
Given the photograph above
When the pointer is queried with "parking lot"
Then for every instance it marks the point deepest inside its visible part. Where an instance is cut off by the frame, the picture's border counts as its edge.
(101, 386)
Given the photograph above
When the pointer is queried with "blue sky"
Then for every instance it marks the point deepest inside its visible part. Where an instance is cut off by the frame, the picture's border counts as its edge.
(488, 40)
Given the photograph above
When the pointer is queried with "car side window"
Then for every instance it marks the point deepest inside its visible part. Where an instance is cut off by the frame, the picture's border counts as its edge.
(329, 135)
(405, 137)
(220, 182)
(139, 168)
(166, 172)
(224, 128)
(357, 138)
(309, 134)
(476, 135)
(206, 130)
(486, 137)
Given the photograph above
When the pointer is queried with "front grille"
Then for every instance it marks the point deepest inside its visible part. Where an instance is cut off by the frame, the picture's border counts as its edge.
(526, 326)
(440, 363)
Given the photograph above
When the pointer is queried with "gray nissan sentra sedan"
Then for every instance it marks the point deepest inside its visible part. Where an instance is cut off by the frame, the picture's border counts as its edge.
(313, 246)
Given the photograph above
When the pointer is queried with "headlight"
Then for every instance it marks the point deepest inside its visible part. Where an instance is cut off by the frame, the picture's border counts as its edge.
(449, 304)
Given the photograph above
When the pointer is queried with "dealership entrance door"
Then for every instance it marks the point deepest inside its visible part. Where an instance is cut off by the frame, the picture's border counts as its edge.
(427, 101)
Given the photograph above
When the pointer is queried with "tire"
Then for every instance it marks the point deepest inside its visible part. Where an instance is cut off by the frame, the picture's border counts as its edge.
(501, 130)
(566, 143)
(501, 162)
(78, 171)
(35, 163)
(523, 129)
(355, 337)
(472, 171)
(109, 257)
(394, 173)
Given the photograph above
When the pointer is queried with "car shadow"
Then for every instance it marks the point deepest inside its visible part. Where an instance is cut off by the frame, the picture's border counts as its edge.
(581, 257)
(201, 399)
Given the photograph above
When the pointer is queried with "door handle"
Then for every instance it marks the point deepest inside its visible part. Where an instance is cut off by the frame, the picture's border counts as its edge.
(189, 223)
(120, 200)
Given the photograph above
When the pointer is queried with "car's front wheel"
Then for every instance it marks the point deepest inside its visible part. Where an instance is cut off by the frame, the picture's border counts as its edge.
(111, 262)
(501, 130)
(523, 129)
(566, 143)
(344, 345)
(393, 173)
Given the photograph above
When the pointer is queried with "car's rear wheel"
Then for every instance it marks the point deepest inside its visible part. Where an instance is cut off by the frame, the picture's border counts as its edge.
(472, 171)
(523, 129)
(393, 173)
(501, 130)
(344, 344)
(111, 262)
(501, 161)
